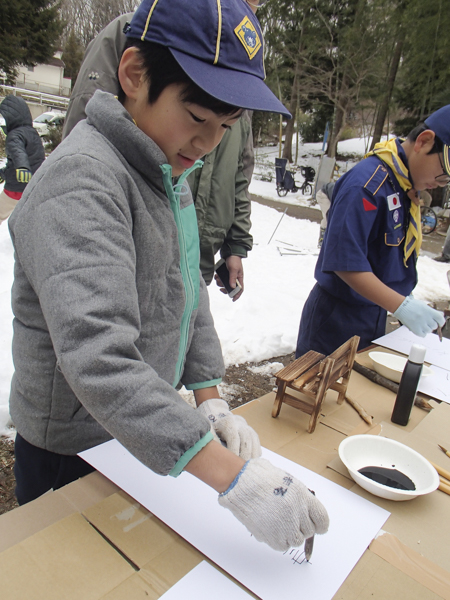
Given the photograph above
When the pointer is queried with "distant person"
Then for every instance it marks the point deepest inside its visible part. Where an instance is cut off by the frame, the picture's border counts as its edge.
(24, 152)
(445, 256)
(367, 263)
(323, 197)
(111, 312)
(220, 188)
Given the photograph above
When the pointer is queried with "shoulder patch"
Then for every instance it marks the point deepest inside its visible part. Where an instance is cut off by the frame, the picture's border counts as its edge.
(368, 206)
(376, 180)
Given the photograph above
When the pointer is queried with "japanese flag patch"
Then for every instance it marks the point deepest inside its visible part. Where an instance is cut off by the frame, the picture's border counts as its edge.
(393, 201)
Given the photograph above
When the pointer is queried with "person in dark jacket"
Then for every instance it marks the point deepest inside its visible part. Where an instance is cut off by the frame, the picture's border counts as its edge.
(24, 151)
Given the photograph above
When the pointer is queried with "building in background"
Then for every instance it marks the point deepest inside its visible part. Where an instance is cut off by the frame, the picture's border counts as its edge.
(48, 78)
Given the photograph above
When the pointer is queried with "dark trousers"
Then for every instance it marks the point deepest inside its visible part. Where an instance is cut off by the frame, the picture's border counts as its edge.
(37, 470)
(328, 322)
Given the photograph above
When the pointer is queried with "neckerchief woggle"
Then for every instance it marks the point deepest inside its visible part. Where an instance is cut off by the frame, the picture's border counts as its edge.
(388, 153)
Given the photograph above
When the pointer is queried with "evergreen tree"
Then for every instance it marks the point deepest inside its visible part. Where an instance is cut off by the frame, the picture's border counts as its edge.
(72, 57)
(424, 74)
(29, 33)
(326, 54)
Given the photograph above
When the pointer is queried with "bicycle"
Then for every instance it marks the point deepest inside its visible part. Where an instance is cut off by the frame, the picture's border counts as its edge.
(286, 182)
(428, 219)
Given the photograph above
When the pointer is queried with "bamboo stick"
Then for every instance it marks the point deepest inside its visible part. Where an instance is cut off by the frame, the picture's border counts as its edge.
(360, 410)
(388, 384)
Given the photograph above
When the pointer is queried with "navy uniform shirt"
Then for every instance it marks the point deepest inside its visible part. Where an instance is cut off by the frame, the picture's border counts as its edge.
(366, 231)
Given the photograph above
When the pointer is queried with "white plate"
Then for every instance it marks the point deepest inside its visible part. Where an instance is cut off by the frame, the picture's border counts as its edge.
(391, 365)
(358, 451)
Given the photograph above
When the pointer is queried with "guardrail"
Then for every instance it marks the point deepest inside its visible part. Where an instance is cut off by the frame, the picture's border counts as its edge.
(41, 98)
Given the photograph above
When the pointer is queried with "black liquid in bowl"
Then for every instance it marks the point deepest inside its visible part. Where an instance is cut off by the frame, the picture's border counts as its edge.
(389, 477)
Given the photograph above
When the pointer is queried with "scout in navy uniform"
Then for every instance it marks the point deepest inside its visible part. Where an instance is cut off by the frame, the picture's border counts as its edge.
(367, 264)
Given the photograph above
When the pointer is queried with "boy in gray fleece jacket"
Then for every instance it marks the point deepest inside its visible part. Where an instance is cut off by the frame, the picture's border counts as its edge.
(111, 313)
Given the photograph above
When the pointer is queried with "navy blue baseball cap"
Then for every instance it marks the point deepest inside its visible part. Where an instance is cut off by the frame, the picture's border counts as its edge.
(439, 122)
(218, 44)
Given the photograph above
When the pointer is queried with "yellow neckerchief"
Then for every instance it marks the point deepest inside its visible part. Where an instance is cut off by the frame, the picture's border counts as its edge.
(388, 153)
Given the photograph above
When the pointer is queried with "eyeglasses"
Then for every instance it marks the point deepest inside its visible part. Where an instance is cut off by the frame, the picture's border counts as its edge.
(257, 3)
(444, 178)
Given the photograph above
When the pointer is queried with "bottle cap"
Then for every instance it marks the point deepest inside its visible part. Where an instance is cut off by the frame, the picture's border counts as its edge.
(417, 353)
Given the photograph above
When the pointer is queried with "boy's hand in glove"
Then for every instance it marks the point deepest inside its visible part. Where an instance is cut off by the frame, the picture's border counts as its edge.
(274, 506)
(418, 316)
(23, 175)
(231, 429)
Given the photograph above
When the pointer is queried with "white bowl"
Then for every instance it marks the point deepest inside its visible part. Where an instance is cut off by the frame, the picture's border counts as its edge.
(392, 365)
(360, 451)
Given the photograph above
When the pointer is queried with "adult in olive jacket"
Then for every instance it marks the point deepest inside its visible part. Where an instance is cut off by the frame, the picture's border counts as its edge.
(24, 152)
(220, 188)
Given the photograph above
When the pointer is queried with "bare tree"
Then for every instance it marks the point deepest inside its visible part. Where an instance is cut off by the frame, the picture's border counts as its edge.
(339, 67)
(86, 18)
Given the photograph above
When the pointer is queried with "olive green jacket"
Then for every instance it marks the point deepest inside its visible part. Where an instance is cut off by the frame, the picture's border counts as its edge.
(222, 202)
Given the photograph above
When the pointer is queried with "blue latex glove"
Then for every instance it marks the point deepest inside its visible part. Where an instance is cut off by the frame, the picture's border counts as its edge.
(418, 316)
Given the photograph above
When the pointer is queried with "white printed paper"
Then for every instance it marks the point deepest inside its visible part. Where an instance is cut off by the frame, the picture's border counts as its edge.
(436, 385)
(205, 582)
(191, 509)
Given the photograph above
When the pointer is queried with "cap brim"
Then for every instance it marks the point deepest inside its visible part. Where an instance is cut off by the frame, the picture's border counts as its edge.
(233, 87)
(446, 159)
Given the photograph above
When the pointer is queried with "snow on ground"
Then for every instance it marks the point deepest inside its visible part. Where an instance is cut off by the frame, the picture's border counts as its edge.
(263, 323)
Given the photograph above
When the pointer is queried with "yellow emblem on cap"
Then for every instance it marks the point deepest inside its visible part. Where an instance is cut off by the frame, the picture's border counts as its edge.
(248, 36)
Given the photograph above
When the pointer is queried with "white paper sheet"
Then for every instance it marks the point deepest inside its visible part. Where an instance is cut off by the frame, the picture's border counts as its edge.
(401, 339)
(191, 509)
(205, 582)
(436, 385)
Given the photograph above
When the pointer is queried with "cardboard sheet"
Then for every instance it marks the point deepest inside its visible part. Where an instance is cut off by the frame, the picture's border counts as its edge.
(412, 564)
(190, 508)
(66, 560)
(117, 550)
(30, 518)
(374, 578)
(422, 524)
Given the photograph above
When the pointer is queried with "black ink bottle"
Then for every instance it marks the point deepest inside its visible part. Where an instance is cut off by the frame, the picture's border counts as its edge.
(408, 385)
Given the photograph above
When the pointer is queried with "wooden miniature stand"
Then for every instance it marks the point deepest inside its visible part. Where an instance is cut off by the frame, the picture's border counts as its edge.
(313, 374)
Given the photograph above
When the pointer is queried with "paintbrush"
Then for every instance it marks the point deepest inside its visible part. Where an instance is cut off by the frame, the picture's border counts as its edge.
(441, 471)
(444, 450)
(443, 487)
(444, 479)
(309, 543)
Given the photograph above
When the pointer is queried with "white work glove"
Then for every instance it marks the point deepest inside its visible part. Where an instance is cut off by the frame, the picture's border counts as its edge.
(231, 429)
(274, 506)
(418, 316)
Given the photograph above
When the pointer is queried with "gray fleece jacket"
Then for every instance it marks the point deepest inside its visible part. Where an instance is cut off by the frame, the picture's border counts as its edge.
(111, 312)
